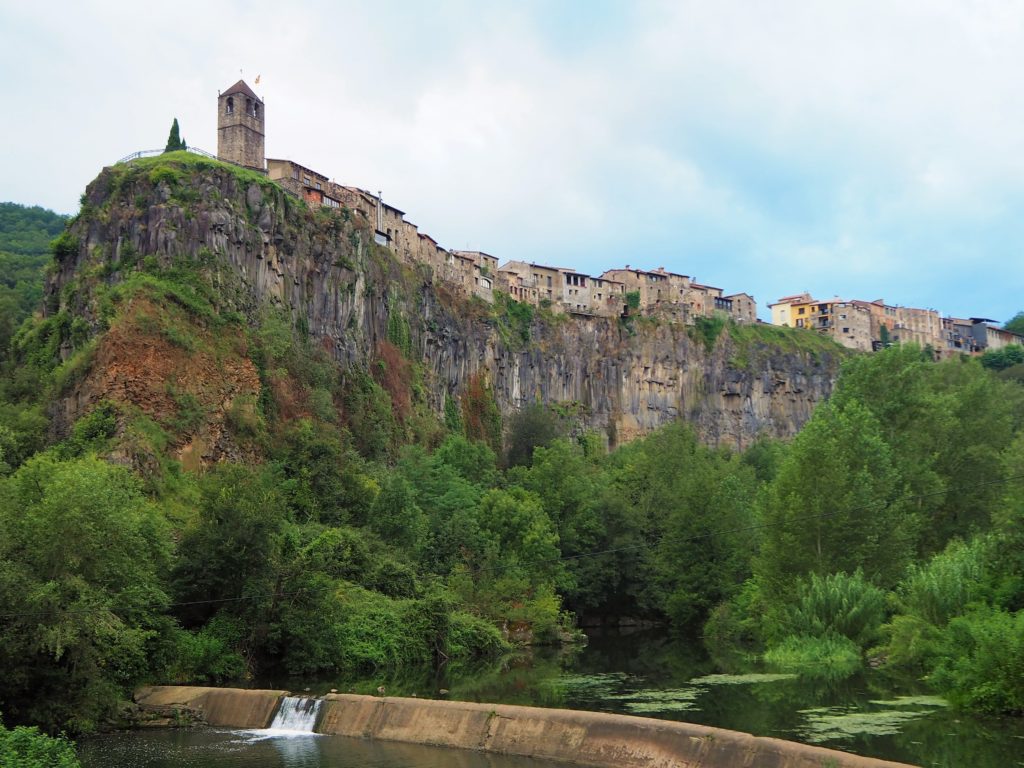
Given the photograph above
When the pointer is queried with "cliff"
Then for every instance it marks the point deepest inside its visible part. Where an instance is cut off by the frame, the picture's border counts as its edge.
(258, 247)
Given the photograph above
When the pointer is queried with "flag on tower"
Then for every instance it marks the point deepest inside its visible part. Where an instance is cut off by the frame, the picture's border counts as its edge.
(257, 79)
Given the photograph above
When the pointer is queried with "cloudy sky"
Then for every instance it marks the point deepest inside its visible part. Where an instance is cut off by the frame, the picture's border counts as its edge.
(867, 149)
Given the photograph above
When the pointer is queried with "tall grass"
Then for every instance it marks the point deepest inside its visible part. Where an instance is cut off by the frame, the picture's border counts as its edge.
(838, 604)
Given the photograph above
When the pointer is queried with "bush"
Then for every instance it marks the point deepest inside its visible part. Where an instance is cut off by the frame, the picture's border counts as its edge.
(946, 584)
(28, 748)
(838, 605)
(983, 662)
(707, 329)
(733, 625)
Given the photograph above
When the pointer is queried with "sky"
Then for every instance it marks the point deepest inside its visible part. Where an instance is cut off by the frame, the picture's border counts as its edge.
(864, 149)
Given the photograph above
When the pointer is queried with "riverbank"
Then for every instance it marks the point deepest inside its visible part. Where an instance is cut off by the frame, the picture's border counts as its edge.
(582, 738)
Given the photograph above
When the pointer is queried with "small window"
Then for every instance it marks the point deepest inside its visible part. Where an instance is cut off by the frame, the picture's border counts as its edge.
(230, 106)
(318, 185)
(248, 106)
(256, 109)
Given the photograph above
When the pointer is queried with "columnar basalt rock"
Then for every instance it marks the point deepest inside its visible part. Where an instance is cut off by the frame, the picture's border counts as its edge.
(262, 246)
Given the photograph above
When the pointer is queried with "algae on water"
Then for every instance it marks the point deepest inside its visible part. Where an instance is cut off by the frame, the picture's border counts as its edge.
(748, 679)
(838, 723)
(669, 700)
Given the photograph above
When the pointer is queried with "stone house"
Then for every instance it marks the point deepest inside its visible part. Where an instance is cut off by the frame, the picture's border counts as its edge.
(653, 287)
(537, 279)
(851, 326)
(575, 297)
(303, 182)
(743, 307)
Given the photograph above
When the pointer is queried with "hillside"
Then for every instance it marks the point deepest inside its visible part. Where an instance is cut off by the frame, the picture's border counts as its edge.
(240, 439)
(25, 235)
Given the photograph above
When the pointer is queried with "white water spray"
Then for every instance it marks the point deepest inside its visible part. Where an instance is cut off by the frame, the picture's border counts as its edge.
(296, 714)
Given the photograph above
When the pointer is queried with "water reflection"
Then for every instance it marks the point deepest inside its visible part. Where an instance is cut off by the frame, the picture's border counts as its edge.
(222, 748)
(650, 673)
(299, 751)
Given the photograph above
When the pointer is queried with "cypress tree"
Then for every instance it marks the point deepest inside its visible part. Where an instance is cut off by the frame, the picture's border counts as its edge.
(174, 142)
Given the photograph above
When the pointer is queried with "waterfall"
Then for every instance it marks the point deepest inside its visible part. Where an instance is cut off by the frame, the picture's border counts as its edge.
(296, 714)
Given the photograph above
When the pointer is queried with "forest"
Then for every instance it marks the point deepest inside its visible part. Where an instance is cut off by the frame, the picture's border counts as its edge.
(361, 533)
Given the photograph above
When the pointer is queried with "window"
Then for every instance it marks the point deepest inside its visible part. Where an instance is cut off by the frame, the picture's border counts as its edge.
(256, 110)
(305, 180)
(248, 106)
(318, 185)
(231, 105)
(295, 173)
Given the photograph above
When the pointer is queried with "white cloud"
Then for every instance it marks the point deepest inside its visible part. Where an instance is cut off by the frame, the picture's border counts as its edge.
(750, 140)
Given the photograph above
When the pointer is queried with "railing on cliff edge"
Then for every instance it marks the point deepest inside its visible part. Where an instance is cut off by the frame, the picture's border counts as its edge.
(152, 152)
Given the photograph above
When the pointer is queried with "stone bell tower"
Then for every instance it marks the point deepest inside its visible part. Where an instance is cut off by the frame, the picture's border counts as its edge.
(240, 129)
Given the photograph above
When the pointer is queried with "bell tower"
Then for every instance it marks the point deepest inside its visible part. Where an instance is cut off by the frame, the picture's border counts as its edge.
(240, 129)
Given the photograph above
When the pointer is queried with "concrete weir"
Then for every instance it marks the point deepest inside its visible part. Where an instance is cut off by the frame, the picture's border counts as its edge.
(582, 738)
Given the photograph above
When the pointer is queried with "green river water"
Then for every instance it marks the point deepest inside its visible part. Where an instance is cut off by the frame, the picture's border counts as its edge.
(643, 673)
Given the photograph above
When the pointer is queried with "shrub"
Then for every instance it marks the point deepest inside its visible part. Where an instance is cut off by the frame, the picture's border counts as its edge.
(983, 664)
(840, 605)
(946, 584)
(707, 330)
(28, 748)
(64, 246)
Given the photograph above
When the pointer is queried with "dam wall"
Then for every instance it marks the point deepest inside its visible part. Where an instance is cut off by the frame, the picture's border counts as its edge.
(597, 739)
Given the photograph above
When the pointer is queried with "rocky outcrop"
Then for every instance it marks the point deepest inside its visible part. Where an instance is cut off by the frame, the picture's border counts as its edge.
(261, 246)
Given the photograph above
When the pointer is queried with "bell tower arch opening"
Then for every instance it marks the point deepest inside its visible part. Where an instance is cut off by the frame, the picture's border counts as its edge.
(240, 131)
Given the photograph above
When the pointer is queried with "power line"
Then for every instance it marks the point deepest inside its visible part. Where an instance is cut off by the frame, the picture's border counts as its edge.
(541, 562)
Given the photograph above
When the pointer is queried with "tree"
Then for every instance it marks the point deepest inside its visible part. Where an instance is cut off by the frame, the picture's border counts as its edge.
(174, 141)
(80, 560)
(943, 422)
(1016, 324)
(836, 505)
(697, 502)
(531, 427)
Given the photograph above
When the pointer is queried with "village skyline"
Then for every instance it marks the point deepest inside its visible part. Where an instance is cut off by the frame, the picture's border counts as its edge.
(864, 151)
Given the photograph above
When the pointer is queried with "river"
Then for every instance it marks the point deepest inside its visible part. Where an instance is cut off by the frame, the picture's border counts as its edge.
(643, 673)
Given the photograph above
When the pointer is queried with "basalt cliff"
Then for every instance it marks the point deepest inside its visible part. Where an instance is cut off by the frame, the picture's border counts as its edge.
(261, 250)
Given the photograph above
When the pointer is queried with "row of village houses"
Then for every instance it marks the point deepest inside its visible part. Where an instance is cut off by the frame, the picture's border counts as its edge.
(558, 288)
(871, 325)
(860, 325)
